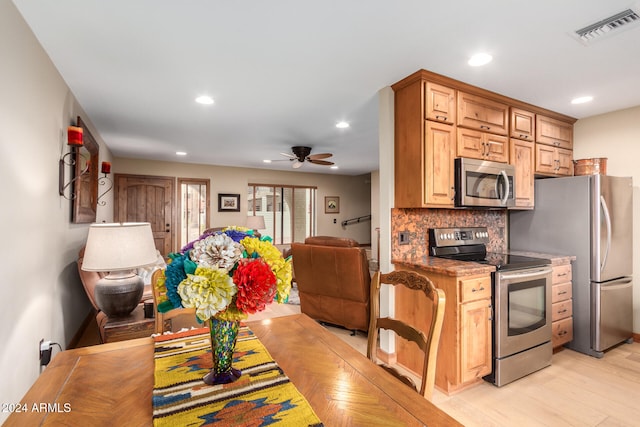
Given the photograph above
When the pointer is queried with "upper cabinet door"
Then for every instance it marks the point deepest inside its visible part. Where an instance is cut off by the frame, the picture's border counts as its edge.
(554, 132)
(523, 124)
(483, 114)
(441, 103)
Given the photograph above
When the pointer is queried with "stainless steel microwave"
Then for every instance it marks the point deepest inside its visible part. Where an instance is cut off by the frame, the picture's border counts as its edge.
(483, 184)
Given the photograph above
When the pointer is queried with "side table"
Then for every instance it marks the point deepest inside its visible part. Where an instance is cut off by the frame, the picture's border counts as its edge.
(135, 325)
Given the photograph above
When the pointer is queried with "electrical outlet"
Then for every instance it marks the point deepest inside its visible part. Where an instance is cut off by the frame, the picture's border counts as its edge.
(45, 352)
(403, 238)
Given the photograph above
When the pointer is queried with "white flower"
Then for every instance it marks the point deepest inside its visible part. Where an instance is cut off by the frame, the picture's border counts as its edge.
(216, 251)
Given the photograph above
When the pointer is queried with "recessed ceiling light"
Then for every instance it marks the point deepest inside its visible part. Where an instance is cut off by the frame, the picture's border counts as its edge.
(204, 100)
(181, 153)
(334, 167)
(342, 125)
(480, 59)
(266, 161)
(582, 99)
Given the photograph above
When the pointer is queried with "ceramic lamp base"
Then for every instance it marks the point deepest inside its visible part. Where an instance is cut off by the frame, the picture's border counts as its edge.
(119, 293)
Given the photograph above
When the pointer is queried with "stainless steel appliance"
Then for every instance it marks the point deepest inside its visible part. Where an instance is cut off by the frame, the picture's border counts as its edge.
(481, 183)
(589, 217)
(521, 301)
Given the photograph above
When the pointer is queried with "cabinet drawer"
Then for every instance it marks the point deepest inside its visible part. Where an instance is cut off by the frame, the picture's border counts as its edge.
(561, 310)
(561, 292)
(561, 332)
(561, 274)
(475, 288)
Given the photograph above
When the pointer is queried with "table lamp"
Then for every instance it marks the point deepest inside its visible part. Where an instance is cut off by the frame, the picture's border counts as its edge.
(119, 249)
(255, 222)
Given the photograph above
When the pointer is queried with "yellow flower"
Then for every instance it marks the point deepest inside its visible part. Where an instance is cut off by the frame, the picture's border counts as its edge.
(209, 290)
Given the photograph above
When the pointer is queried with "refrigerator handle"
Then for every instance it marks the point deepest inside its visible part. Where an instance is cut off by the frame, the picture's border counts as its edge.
(607, 219)
(506, 186)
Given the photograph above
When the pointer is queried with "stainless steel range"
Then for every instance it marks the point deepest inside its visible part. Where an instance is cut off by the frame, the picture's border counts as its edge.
(521, 301)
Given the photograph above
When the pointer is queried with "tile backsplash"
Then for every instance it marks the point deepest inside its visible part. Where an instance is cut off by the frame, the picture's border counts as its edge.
(416, 223)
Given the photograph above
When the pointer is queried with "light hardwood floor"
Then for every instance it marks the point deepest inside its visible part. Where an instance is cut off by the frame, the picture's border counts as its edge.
(576, 390)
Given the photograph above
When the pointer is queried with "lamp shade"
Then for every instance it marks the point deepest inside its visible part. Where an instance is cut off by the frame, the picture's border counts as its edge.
(118, 247)
(255, 222)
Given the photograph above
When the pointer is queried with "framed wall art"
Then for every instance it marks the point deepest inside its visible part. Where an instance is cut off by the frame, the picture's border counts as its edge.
(228, 202)
(331, 204)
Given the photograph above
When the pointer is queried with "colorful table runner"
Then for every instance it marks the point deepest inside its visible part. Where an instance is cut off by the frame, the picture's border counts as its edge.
(262, 396)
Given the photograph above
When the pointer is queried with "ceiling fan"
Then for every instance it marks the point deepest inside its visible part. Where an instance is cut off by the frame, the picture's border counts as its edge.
(302, 154)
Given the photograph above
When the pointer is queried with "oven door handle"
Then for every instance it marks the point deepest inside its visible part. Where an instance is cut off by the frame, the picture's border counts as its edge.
(540, 272)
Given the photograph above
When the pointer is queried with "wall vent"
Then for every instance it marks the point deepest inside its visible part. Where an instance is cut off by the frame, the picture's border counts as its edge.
(606, 26)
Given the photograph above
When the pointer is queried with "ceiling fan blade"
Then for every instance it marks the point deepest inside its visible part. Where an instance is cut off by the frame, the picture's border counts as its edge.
(297, 164)
(319, 156)
(321, 162)
(289, 155)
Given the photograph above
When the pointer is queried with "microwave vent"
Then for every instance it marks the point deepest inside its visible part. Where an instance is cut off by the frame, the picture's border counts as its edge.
(615, 23)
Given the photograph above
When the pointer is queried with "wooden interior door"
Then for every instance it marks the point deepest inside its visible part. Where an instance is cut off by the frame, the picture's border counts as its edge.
(150, 199)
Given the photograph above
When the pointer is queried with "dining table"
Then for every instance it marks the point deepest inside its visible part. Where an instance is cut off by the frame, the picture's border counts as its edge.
(112, 384)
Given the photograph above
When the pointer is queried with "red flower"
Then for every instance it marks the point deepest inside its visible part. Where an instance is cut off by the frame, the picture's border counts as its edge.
(256, 285)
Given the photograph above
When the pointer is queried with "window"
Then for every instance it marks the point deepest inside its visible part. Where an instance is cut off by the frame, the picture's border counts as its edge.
(194, 208)
(289, 211)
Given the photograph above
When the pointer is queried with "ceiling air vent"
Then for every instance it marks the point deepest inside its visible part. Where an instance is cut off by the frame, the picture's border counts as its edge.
(616, 22)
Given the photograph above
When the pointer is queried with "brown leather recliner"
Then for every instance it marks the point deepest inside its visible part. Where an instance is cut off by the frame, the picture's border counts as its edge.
(332, 274)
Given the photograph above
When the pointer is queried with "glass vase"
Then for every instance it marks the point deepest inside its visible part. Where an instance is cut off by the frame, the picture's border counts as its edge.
(224, 334)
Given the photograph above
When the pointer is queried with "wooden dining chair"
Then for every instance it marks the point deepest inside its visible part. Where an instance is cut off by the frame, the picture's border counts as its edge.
(164, 321)
(427, 341)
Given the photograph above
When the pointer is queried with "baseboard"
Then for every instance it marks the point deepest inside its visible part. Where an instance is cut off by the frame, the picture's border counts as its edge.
(83, 327)
(388, 358)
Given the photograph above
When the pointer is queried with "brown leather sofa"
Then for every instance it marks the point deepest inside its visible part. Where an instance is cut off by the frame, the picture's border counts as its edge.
(332, 274)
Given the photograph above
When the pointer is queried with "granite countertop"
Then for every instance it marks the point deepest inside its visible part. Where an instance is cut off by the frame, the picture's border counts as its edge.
(444, 266)
(451, 267)
(554, 258)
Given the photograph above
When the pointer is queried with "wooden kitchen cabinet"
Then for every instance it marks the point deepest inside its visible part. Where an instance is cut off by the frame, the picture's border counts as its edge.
(522, 157)
(424, 150)
(554, 132)
(561, 305)
(435, 119)
(481, 113)
(481, 145)
(553, 161)
(441, 103)
(522, 124)
(439, 154)
(464, 354)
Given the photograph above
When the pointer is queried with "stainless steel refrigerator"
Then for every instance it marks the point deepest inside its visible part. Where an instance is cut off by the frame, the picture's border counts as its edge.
(590, 217)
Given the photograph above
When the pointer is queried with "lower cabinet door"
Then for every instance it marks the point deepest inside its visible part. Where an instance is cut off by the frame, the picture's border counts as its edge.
(475, 335)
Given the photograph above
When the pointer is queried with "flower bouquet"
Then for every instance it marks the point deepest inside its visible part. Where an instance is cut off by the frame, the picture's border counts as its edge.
(225, 275)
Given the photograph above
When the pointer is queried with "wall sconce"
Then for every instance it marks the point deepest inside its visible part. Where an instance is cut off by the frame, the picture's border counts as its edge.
(74, 140)
(105, 180)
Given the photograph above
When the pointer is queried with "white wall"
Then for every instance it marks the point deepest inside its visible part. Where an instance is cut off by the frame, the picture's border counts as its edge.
(41, 295)
(354, 191)
(616, 136)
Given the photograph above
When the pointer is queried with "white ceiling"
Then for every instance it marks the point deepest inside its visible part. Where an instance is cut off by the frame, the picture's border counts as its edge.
(282, 73)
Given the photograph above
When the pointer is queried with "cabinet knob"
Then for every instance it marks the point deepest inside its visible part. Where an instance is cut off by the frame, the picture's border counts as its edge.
(443, 118)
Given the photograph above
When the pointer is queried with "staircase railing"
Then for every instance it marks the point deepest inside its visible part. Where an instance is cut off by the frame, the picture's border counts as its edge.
(356, 220)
